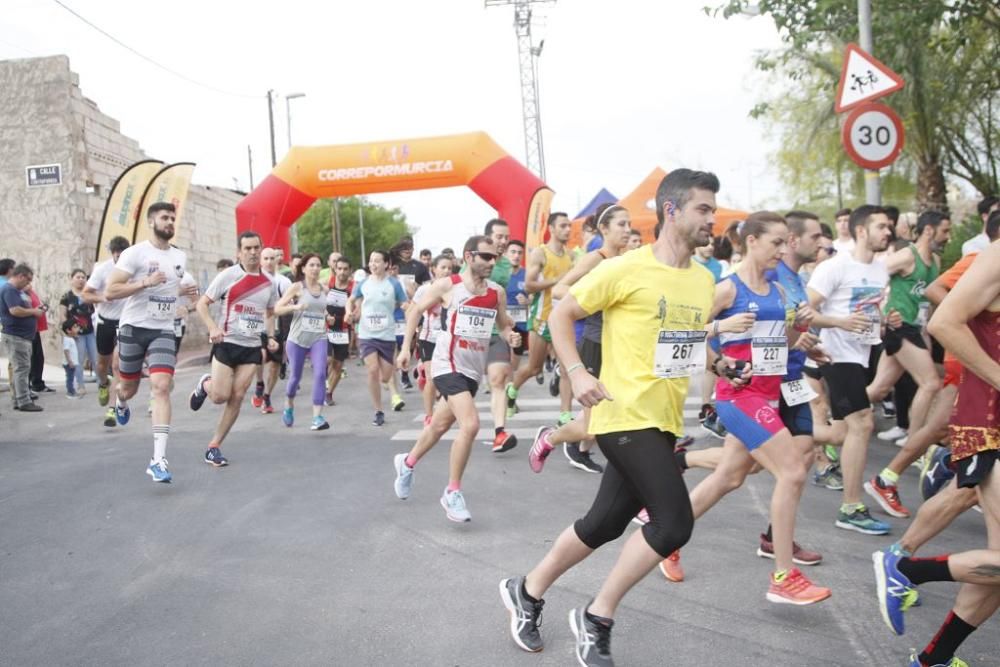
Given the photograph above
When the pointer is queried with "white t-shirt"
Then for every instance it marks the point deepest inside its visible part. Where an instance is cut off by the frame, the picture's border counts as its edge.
(844, 247)
(109, 310)
(848, 285)
(977, 243)
(69, 345)
(153, 307)
(281, 283)
(246, 298)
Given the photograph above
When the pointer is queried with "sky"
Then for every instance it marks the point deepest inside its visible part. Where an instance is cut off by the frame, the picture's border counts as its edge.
(625, 86)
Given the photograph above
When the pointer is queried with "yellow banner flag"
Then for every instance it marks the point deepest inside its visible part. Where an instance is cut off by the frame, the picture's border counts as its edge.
(121, 210)
(171, 184)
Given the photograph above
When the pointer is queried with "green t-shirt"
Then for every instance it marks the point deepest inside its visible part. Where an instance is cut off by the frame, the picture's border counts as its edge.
(906, 293)
(502, 271)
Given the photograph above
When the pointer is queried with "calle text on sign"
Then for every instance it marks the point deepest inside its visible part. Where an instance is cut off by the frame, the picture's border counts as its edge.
(43, 174)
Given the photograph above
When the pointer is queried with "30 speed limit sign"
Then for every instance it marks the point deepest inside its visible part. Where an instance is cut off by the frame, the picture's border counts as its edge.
(873, 135)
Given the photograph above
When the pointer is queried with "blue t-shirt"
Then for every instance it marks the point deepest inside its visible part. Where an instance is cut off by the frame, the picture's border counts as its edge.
(381, 299)
(22, 327)
(595, 243)
(514, 287)
(713, 265)
(795, 293)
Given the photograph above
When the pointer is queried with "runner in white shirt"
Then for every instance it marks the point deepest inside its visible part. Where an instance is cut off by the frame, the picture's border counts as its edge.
(272, 360)
(248, 297)
(108, 314)
(981, 241)
(148, 277)
(427, 335)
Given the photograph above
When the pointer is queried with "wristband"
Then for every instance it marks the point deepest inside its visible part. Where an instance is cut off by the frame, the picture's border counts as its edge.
(574, 367)
(715, 328)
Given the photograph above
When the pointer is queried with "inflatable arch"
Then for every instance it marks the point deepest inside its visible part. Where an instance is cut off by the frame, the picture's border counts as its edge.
(310, 172)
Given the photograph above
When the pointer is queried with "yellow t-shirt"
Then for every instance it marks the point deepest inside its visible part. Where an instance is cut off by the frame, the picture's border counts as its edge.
(641, 296)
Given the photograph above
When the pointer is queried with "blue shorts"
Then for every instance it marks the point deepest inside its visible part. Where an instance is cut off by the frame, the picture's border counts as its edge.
(752, 419)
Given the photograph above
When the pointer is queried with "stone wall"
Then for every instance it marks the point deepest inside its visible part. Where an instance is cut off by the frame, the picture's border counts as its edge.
(46, 119)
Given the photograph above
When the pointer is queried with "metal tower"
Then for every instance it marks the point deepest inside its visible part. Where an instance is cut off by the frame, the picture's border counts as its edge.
(527, 55)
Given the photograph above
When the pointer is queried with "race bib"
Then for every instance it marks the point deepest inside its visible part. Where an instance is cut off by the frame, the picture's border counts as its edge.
(250, 322)
(769, 355)
(313, 323)
(338, 337)
(407, 280)
(797, 392)
(518, 313)
(923, 315)
(161, 307)
(872, 335)
(401, 328)
(472, 322)
(336, 299)
(377, 321)
(679, 354)
(178, 328)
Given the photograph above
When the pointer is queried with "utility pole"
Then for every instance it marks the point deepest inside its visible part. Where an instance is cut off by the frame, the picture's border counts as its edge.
(335, 224)
(873, 185)
(250, 164)
(527, 55)
(270, 121)
(361, 224)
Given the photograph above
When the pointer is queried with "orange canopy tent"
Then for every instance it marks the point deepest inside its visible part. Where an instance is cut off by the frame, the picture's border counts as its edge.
(641, 205)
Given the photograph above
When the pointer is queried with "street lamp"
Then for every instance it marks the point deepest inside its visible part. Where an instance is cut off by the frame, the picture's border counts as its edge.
(293, 232)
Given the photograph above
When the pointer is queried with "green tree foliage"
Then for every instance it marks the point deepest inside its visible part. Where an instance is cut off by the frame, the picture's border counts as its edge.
(946, 51)
(383, 228)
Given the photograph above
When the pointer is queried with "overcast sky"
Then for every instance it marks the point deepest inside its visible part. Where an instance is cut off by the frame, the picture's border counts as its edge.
(625, 86)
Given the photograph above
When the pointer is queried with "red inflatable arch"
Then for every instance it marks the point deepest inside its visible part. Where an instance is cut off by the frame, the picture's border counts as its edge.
(310, 172)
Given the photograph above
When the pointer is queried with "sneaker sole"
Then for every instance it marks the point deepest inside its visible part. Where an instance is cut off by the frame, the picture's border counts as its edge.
(883, 503)
(397, 461)
(400, 406)
(880, 589)
(511, 609)
(452, 517)
(668, 577)
(160, 481)
(858, 529)
(110, 423)
(781, 599)
(215, 464)
(324, 426)
(797, 561)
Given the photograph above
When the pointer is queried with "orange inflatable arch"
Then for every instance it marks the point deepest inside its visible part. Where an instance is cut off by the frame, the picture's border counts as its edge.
(310, 172)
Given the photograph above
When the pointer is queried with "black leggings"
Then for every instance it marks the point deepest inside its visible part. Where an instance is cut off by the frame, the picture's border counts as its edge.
(641, 472)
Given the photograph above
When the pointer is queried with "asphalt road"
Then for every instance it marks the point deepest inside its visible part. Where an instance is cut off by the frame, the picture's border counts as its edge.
(299, 553)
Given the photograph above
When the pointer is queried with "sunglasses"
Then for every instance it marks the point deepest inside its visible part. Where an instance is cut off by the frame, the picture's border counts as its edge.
(829, 251)
(485, 256)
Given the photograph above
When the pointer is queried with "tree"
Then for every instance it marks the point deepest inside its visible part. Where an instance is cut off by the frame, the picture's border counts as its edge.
(384, 227)
(944, 49)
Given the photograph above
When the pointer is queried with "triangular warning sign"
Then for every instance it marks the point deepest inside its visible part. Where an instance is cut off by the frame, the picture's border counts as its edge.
(864, 78)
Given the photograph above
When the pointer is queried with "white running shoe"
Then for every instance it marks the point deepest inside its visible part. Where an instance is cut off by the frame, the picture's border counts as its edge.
(894, 433)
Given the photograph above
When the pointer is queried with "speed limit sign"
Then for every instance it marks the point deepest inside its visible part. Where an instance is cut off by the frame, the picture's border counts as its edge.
(873, 135)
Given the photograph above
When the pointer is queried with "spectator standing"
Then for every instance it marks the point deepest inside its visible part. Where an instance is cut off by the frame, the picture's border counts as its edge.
(71, 358)
(74, 308)
(20, 326)
(35, 374)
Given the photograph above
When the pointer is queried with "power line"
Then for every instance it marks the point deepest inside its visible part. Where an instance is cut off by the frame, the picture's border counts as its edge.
(150, 60)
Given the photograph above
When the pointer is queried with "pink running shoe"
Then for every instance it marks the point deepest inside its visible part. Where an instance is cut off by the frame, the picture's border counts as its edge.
(540, 449)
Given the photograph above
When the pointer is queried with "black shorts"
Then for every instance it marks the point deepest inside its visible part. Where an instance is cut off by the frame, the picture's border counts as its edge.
(339, 351)
(813, 372)
(893, 339)
(937, 351)
(425, 350)
(523, 347)
(798, 419)
(973, 470)
(590, 355)
(233, 355)
(451, 384)
(846, 385)
(107, 337)
(278, 355)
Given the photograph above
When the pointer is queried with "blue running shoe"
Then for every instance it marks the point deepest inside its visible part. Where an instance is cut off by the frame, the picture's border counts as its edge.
(288, 417)
(214, 457)
(935, 472)
(379, 418)
(404, 477)
(158, 471)
(122, 413)
(861, 520)
(199, 394)
(319, 424)
(895, 592)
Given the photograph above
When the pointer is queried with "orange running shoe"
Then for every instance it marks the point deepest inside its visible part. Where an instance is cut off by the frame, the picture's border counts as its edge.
(796, 589)
(887, 496)
(671, 567)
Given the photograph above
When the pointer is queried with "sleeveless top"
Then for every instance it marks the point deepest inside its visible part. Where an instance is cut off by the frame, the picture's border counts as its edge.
(769, 326)
(906, 293)
(464, 341)
(309, 325)
(593, 323)
(430, 326)
(795, 294)
(555, 267)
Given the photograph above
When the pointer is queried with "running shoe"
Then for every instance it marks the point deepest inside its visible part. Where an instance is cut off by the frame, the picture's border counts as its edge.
(888, 409)
(901, 442)
(525, 616)
(504, 441)
(894, 591)
(397, 403)
(288, 417)
(103, 394)
(421, 381)
(954, 662)
(540, 378)
(892, 434)
(199, 394)
(453, 503)
(671, 567)
(379, 418)
(564, 418)
(328, 398)
(707, 410)
(283, 370)
(540, 449)
(511, 400)
(214, 457)
(257, 399)
(549, 364)
(795, 588)
(158, 471)
(580, 459)
(405, 381)
(319, 424)
(122, 413)
(266, 409)
(887, 496)
(800, 556)
(832, 453)
(109, 418)
(554, 384)
(404, 477)
(593, 640)
(714, 426)
(861, 520)
(830, 477)
(935, 473)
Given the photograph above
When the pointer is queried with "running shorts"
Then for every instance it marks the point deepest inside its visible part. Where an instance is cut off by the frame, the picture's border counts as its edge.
(523, 347)
(893, 339)
(451, 384)
(425, 350)
(590, 355)
(386, 349)
(233, 355)
(541, 328)
(339, 351)
(278, 355)
(752, 419)
(846, 385)
(813, 372)
(136, 344)
(499, 352)
(972, 471)
(107, 337)
(798, 419)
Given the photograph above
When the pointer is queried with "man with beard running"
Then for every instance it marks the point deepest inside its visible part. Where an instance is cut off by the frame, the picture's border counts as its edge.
(108, 315)
(498, 362)
(148, 278)
(471, 304)
(248, 296)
